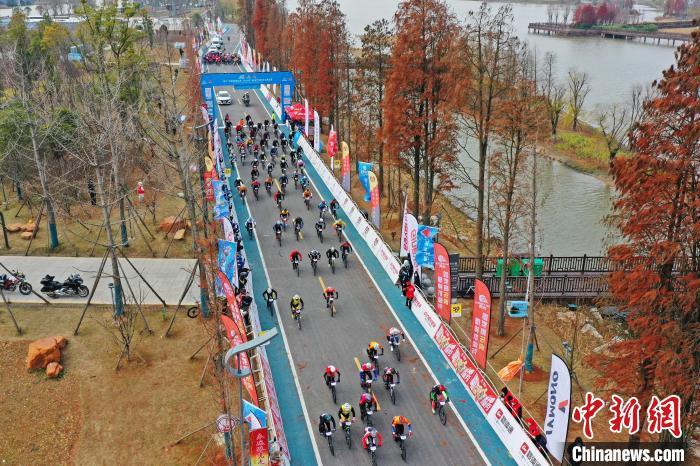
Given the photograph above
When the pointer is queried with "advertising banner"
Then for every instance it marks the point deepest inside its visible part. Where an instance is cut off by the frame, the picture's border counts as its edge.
(259, 449)
(455, 354)
(227, 260)
(443, 291)
(220, 209)
(483, 394)
(274, 404)
(254, 416)
(556, 421)
(363, 169)
(481, 321)
(317, 132)
(424, 245)
(332, 145)
(374, 199)
(306, 118)
(208, 188)
(409, 237)
(346, 165)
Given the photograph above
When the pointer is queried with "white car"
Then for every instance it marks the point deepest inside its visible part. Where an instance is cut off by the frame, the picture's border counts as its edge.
(223, 98)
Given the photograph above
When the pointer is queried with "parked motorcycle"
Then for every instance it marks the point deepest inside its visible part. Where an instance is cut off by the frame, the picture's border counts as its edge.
(72, 286)
(15, 280)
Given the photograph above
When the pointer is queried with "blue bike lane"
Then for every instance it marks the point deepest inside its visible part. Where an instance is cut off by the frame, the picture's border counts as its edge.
(489, 442)
(301, 448)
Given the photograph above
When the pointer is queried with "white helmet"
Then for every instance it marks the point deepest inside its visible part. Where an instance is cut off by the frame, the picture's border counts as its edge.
(332, 369)
(346, 408)
(296, 297)
(373, 432)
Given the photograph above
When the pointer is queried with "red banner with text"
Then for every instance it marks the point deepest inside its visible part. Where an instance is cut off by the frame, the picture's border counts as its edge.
(481, 321)
(259, 449)
(443, 288)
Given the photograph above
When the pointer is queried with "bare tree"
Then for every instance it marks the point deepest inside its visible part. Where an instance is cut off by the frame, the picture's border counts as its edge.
(516, 133)
(614, 124)
(554, 93)
(486, 46)
(565, 14)
(578, 91)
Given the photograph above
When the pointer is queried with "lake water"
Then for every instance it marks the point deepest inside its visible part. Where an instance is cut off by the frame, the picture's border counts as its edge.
(575, 204)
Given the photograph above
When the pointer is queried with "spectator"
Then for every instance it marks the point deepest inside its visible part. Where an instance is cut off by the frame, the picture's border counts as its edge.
(410, 294)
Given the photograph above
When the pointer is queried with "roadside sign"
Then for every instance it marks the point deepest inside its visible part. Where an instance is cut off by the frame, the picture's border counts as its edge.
(456, 310)
(226, 423)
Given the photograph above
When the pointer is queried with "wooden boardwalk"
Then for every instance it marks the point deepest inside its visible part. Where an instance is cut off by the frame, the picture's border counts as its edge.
(657, 37)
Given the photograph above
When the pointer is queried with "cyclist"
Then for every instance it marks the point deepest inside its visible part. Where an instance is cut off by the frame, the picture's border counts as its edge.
(250, 224)
(237, 183)
(346, 413)
(284, 216)
(295, 256)
(296, 304)
(284, 180)
(366, 402)
(270, 167)
(304, 181)
(334, 207)
(322, 207)
(345, 249)
(366, 373)
(268, 184)
(331, 374)
(371, 437)
(398, 426)
(270, 294)
(256, 187)
(388, 376)
(295, 177)
(331, 252)
(314, 256)
(339, 226)
(435, 392)
(393, 336)
(320, 225)
(373, 351)
(328, 293)
(278, 227)
(283, 163)
(254, 173)
(324, 423)
(307, 196)
(242, 190)
(279, 197)
(298, 224)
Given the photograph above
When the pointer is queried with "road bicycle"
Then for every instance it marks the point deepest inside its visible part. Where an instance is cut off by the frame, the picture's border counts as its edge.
(396, 350)
(314, 265)
(344, 256)
(331, 262)
(392, 393)
(295, 265)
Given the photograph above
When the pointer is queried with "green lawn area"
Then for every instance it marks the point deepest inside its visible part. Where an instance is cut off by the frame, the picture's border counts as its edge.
(582, 145)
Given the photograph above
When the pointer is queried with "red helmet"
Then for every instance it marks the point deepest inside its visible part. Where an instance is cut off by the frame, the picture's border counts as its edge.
(366, 367)
(365, 398)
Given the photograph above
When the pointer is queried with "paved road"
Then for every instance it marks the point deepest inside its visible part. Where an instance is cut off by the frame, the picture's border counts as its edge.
(168, 277)
(362, 316)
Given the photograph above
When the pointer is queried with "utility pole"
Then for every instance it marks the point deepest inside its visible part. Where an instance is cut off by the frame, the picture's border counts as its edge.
(531, 263)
